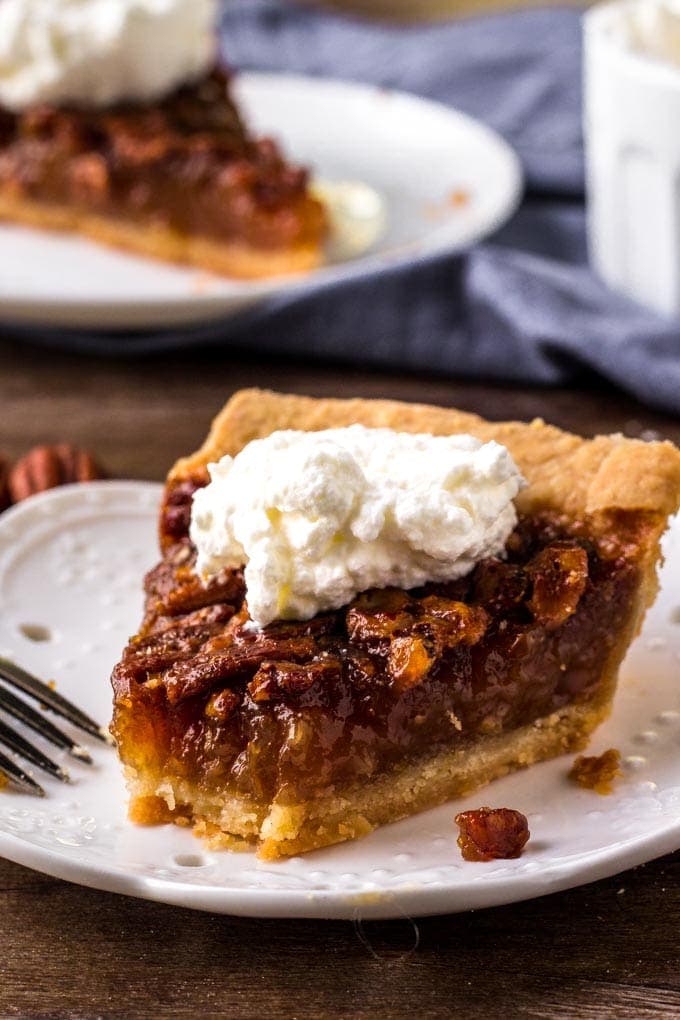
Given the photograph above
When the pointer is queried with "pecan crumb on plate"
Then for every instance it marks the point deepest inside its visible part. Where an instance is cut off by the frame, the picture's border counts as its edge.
(489, 834)
(597, 772)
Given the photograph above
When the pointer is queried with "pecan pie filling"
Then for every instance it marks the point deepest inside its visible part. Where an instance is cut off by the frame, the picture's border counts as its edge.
(293, 709)
(186, 163)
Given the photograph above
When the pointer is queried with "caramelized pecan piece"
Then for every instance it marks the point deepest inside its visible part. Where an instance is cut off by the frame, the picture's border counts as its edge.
(376, 615)
(174, 591)
(324, 623)
(274, 680)
(363, 671)
(500, 587)
(450, 623)
(560, 574)
(435, 625)
(176, 508)
(141, 146)
(89, 178)
(598, 772)
(210, 618)
(222, 705)
(204, 671)
(157, 652)
(409, 661)
(488, 834)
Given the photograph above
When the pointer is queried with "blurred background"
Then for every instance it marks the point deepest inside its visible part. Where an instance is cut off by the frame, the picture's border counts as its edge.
(413, 10)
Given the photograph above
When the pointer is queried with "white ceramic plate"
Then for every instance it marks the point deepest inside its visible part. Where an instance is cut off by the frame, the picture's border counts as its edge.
(415, 154)
(72, 561)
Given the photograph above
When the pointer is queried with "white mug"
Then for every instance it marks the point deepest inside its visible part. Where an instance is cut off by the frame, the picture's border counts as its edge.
(632, 138)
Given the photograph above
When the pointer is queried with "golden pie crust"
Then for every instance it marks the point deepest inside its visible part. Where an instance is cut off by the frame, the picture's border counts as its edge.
(157, 241)
(608, 480)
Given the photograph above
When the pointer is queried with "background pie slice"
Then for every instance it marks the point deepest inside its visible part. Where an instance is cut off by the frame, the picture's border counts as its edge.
(302, 735)
(180, 180)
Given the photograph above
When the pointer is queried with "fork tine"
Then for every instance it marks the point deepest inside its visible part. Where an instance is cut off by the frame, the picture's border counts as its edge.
(15, 742)
(37, 721)
(17, 774)
(30, 684)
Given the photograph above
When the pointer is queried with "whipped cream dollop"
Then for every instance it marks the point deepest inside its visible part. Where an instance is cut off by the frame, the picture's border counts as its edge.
(101, 52)
(317, 517)
(654, 28)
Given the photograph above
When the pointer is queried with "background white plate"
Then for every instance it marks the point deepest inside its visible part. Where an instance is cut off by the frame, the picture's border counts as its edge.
(416, 153)
(72, 561)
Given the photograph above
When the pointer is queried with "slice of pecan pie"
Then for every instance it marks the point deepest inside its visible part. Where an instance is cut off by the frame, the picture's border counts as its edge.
(181, 180)
(299, 735)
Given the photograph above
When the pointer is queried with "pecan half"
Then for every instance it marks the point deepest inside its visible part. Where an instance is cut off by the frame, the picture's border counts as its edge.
(204, 671)
(46, 467)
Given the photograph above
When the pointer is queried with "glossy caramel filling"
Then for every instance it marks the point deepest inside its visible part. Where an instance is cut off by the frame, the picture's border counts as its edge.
(186, 163)
(297, 708)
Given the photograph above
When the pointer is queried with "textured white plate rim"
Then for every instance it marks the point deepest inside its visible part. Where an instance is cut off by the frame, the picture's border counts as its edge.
(408, 898)
(229, 297)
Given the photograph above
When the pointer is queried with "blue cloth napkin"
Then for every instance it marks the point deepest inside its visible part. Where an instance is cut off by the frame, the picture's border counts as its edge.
(522, 307)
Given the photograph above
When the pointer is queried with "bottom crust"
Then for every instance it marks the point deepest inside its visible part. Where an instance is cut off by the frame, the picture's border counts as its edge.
(228, 258)
(279, 830)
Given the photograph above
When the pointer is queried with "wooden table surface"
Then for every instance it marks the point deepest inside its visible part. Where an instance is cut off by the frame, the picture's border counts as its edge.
(605, 950)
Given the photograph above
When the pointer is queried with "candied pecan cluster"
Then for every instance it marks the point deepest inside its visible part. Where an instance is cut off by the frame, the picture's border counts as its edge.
(413, 634)
(302, 705)
(186, 161)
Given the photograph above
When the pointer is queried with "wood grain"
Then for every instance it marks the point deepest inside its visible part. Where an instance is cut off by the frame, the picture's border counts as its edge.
(418, 10)
(606, 950)
(139, 414)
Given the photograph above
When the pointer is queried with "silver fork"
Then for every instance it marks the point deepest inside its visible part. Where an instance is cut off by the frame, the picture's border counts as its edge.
(12, 675)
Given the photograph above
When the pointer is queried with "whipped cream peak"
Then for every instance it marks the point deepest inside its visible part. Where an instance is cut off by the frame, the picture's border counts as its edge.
(318, 517)
(95, 53)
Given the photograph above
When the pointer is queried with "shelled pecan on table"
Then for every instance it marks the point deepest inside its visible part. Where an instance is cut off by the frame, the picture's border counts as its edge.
(46, 467)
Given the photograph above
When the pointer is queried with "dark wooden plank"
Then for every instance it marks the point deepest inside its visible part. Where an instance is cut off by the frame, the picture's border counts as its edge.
(139, 415)
(607, 950)
(592, 952)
